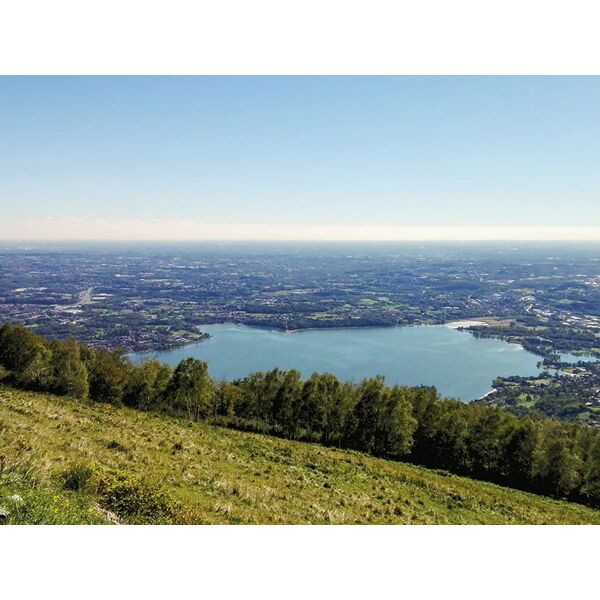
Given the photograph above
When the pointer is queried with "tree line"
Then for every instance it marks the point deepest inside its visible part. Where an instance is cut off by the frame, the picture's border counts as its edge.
(411, 424)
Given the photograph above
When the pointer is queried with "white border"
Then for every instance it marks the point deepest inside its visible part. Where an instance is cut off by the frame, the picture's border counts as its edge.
(298, 562)
(299, 37)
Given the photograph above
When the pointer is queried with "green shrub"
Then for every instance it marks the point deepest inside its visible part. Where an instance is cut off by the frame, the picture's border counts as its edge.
(77, 477)
(131, 497)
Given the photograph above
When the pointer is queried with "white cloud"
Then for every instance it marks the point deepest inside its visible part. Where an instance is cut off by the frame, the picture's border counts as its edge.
(82, 228)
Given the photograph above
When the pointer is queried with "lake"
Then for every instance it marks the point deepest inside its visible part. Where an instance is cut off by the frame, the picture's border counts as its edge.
(456, 362)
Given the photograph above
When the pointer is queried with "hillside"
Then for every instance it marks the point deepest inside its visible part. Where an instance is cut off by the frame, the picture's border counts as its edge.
(63, 461)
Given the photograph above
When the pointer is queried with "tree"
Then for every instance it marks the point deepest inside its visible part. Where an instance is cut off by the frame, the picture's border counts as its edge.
(441, 435)
(312, 406)
(25, 355)
(287, 398)
(519, 453)
(324, 407)
(191, 389)
(341, 421)
(590, 488)
(107, 374)
(146, 385)
(228, 398)
(385, 424)
(369, 413)
(68, 374)
(260, 390)
(557, 464)
(487, 438)
(422, 399)
(399, 424)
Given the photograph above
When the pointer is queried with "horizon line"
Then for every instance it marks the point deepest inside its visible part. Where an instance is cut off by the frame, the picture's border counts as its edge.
(282, 240)
(94, 229)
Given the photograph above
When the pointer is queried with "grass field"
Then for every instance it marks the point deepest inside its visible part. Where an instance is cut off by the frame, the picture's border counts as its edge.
(63, 461)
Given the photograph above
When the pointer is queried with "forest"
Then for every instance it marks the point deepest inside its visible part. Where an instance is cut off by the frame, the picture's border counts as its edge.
(410, 424)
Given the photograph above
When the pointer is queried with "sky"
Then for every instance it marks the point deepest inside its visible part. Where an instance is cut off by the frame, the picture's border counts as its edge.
(300, 158)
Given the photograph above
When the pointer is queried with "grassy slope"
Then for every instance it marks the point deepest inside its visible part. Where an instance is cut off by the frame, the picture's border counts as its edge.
(224, 476)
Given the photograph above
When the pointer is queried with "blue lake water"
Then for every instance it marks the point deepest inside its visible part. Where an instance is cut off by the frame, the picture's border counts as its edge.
(457, 363)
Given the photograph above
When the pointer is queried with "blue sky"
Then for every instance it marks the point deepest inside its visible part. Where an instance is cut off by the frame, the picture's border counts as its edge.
(268, 153)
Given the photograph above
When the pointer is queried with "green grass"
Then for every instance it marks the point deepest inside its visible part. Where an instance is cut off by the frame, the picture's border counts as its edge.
(63, 461)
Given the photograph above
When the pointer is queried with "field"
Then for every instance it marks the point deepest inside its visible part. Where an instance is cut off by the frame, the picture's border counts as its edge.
(63, 461)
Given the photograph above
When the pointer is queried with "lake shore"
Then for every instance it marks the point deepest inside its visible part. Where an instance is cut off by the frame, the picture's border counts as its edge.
(465, 324)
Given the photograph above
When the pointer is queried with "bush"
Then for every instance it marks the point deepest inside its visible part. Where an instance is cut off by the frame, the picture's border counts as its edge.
(77, 477)
(132, 497)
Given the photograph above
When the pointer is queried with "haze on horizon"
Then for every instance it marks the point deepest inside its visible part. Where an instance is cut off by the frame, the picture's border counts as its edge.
(300, 158)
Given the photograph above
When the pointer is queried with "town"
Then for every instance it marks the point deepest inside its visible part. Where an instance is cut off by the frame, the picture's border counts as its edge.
(544, 296)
